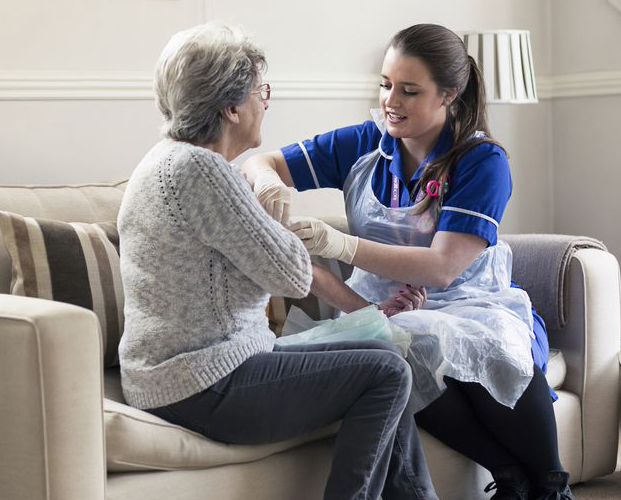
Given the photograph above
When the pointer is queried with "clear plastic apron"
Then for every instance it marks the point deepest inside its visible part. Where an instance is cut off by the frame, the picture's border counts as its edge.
(478, 329)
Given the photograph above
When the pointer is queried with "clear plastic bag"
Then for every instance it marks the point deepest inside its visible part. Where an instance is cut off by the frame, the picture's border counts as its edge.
(366, 323)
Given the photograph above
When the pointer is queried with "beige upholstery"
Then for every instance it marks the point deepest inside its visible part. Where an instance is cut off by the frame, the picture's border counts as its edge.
(557, 369)
(590, 343)
(83, 203)
(54, 414)
(299, 474)
(137, 440)
(51, 423)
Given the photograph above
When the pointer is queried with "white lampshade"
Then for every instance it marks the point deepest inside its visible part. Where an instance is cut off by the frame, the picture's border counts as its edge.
(505, 59)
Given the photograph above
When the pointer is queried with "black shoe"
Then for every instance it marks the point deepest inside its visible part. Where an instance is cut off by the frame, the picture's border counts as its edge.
(510, 483)
(553, 485)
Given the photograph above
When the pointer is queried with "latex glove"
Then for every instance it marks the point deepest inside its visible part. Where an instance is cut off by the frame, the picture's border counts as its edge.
(321, 239)
(272, 193)
(409, 299)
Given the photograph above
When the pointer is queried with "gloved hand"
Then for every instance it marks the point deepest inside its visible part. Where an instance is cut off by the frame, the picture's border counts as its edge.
(272, 193)
(321, 239)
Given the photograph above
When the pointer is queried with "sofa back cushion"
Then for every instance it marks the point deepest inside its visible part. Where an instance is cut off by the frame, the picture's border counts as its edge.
(79, 203)
(76, 263)
(69, 203)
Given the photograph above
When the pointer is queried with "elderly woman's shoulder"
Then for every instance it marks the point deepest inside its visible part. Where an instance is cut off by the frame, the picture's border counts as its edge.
(181, 150)
(178, 154)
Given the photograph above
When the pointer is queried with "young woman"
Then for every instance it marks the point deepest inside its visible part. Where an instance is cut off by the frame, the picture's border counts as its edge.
(425, 188)
(199, 260)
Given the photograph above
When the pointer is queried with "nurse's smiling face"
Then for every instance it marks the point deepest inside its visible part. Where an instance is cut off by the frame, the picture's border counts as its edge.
(410, 100)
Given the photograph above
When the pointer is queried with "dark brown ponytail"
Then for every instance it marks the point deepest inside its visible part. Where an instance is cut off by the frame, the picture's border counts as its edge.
(450, 66)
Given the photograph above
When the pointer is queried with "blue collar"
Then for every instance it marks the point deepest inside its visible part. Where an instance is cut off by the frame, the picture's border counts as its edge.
(390, 148)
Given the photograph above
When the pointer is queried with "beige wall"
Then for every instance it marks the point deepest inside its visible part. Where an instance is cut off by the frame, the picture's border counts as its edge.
(93, 58)
(586, 36)
(587, 168)
(585, 126)
(76, 105)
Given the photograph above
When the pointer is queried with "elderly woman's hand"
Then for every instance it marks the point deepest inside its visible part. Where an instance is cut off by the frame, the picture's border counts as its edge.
(409, 299)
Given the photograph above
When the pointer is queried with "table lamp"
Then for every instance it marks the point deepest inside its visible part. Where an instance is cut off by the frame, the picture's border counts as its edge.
(506, 62)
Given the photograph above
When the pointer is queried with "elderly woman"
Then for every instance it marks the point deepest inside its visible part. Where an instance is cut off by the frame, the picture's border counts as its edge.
(200, 258)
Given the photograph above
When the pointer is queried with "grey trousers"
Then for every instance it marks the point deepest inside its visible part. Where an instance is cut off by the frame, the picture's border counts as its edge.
(299, 388)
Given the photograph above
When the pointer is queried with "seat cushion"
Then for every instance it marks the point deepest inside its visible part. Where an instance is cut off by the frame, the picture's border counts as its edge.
(77, 263)
(557, 369)
(137, 440)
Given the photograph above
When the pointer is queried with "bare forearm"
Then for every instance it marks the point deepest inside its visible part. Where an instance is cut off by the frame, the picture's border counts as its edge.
(447, 257)
(418, 266)
(330, 288)
(274, 159)
(249, 166)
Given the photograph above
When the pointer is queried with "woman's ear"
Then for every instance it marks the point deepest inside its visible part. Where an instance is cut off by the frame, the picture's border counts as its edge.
(449, 96)
(231, 113)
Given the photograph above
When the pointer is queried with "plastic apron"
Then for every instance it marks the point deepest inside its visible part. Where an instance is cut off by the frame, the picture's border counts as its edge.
(478, 329)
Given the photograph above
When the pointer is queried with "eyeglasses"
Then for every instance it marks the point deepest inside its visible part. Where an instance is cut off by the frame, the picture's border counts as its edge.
(264, 92)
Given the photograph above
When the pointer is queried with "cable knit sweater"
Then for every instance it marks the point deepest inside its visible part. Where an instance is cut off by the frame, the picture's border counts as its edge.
(199, 260)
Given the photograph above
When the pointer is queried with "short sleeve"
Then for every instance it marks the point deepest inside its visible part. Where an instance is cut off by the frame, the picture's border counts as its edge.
(325, 160)
(479, 191)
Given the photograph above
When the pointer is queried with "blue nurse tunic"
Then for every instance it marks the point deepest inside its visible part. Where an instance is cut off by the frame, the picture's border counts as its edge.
(479, 189)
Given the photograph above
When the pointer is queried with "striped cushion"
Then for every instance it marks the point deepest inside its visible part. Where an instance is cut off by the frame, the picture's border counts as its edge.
(73, 262)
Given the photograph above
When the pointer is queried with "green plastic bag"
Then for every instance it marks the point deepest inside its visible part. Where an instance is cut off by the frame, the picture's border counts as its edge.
(366, 323)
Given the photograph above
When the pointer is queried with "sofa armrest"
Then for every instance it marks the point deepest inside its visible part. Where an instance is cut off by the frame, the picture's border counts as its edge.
(590, 342)
(51, 423)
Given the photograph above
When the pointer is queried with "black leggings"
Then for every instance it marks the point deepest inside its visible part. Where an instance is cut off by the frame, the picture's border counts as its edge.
(469, 420)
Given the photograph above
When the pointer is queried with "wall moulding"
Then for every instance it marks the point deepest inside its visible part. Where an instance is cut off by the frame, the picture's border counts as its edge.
(70, 86)
(599, 83)
(62, 86)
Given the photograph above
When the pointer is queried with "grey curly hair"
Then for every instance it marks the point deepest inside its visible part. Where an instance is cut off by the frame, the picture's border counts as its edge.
(200, 72)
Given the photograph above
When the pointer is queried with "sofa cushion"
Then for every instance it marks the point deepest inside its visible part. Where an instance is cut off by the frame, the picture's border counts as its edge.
(69, 203)
(137, 440)
(557, 369)
(77, 263)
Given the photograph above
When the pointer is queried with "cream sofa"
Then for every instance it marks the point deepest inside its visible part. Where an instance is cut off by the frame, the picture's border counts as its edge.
(66, 433)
